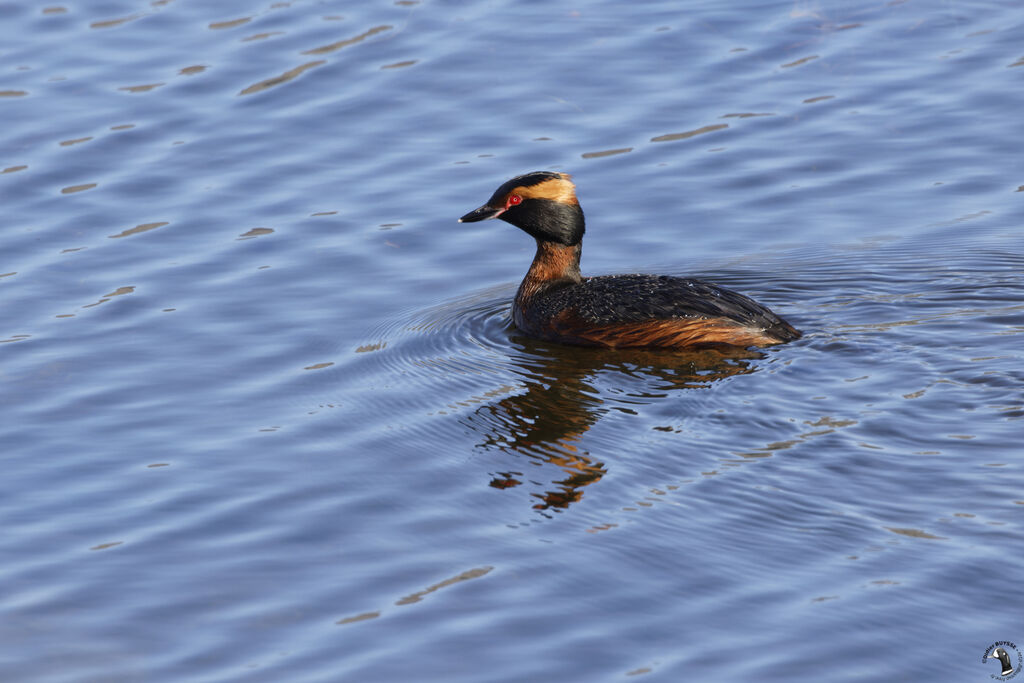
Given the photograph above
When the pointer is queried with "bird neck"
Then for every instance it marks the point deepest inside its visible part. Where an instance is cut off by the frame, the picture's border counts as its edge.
(555, 262)
(554, 266)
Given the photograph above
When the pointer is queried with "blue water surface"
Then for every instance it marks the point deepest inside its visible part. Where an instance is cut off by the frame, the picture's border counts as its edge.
(264, 417)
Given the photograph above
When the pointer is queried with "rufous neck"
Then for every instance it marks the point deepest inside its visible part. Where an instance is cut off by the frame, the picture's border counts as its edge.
(555, 262)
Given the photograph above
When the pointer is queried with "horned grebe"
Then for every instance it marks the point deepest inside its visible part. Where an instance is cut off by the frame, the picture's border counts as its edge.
(556, 303)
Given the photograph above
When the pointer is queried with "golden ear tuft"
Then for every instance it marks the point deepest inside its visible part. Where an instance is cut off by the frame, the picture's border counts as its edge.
(558, 189)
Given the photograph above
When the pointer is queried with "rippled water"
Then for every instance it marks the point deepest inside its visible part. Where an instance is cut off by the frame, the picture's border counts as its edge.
(265, 418)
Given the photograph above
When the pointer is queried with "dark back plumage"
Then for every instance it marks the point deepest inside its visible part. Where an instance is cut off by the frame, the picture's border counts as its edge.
(610, 300)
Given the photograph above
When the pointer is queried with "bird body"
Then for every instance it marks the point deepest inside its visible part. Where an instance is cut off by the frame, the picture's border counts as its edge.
(556, 303)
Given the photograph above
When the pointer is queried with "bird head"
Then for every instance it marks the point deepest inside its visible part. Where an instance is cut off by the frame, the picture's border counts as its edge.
(542, 203)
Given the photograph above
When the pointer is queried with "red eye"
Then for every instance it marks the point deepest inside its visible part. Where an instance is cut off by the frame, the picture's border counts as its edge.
(513, 199)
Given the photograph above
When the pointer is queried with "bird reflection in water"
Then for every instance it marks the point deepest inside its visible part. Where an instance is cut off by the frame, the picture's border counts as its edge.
(559, 403)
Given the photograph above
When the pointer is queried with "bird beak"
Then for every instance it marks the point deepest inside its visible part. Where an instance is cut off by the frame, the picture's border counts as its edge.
(481, 214)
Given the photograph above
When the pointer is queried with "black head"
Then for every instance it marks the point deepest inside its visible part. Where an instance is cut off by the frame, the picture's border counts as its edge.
(542, 203)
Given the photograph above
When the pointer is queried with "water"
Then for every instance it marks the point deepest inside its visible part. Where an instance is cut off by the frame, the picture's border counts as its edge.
(264, 417)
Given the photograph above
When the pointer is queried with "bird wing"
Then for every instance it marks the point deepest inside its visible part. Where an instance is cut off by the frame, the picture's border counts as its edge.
(639, 298)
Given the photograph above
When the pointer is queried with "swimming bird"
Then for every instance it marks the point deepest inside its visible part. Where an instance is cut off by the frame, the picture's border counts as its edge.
(556, 303)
